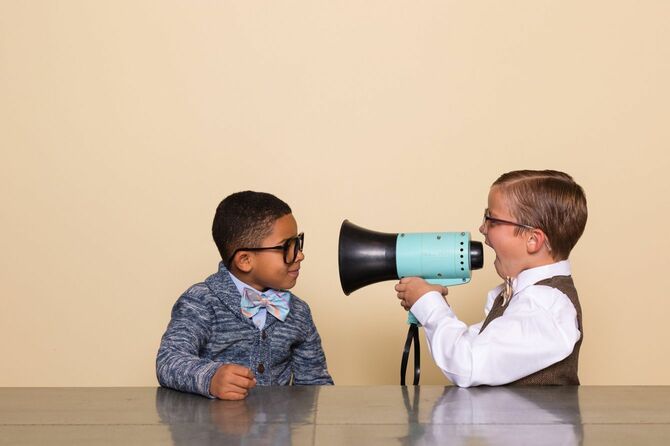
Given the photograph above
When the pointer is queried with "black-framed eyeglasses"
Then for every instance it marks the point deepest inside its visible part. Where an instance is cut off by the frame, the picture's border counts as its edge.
(488, 218)
(290, 248)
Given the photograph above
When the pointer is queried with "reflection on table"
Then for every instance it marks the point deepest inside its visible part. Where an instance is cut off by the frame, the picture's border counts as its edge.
(502, 415)
(281, 416)
(337, 415)
(266, 417)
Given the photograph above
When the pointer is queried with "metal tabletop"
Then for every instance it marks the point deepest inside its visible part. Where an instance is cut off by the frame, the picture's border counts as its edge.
(339, 415)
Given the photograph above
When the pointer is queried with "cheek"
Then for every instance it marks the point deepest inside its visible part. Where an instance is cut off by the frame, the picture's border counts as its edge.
(281, 273)
(492, 240)
(274, 273)
(501, 246)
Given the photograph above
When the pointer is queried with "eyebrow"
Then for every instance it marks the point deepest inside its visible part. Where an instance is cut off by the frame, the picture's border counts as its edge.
(288, 238)
(488, 212)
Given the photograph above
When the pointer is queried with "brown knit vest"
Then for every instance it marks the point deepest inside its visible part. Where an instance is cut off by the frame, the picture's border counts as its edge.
(563, 372)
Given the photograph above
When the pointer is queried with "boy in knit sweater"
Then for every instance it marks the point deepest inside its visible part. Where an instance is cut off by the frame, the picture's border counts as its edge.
(533, 326)
(241, 326)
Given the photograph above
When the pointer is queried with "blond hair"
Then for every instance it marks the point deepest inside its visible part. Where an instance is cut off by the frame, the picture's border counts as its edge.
(548, 200)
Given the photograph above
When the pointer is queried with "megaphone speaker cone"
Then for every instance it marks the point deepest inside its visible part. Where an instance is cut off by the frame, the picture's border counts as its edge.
(365, 257)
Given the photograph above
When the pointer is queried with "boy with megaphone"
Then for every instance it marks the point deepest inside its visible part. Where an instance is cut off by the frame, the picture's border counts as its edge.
(532, 332)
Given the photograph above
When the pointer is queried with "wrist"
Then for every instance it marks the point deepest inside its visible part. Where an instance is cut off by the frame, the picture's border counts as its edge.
(427, 304)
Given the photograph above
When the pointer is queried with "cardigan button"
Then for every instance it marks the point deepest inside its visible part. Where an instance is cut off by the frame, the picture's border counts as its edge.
(261, 368)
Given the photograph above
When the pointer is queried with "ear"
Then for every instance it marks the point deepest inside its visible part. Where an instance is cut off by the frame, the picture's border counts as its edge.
(537, 241)
(243, 261)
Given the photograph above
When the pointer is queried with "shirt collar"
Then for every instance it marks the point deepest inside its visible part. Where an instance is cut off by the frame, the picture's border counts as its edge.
(241, 286)
(533, 275)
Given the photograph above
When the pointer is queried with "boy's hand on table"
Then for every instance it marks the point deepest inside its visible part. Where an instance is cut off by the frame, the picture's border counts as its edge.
(410, 289)
(232, 382)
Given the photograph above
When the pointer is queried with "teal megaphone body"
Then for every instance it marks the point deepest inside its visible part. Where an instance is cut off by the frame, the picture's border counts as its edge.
(444, 258)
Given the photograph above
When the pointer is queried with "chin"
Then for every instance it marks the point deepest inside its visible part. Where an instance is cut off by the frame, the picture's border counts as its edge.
(289, 284)
(499, 270)
(497, 266)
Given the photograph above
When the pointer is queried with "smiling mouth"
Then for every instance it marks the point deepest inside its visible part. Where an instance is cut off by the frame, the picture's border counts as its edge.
(295, 273)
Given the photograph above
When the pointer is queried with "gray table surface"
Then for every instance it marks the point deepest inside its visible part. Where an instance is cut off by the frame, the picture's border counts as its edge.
(339, 415)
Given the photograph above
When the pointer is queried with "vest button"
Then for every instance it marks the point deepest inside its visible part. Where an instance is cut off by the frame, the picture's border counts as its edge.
(264, 334)
(261, 368)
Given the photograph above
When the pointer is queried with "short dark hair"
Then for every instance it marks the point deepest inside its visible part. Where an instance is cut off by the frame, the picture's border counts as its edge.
(244, 219)
(548, 200)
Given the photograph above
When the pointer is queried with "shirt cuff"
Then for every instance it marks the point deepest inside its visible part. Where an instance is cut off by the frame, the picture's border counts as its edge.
(428, 304)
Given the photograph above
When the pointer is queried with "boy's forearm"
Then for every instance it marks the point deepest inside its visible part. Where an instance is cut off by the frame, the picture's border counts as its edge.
(317, 376)
(312, 374)
(184, 372)
(178, 364)
(309, 363)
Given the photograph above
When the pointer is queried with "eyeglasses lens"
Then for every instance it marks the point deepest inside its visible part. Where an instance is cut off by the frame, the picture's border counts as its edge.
(292, 247)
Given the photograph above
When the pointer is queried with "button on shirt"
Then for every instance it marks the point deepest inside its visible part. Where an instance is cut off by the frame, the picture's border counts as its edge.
(538, 328)
(260, 317)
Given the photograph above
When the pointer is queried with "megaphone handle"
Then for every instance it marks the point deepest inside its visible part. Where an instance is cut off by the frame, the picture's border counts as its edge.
(412, 337)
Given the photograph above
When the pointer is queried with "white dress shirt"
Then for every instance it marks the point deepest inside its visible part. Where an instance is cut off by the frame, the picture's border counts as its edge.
(538, 329)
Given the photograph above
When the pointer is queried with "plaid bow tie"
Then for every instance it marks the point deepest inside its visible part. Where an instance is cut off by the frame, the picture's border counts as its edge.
(273, 301)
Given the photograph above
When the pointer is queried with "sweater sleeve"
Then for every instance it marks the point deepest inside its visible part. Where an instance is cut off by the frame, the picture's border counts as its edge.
(308, 361)
(178, 364)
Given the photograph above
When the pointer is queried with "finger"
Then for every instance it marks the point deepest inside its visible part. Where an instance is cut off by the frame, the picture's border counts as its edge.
(405, 279)
(401, 295)
(241, 382)
(400, 287)
(238, 381)
(240, 370)
(445, 291)
(226, 387)
(235, 396)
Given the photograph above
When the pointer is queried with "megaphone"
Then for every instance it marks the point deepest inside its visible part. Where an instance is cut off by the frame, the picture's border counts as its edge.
(366, 257)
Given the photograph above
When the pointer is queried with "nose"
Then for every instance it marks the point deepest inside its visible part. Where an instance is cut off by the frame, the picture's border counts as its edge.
(300, 257)
(483, 228)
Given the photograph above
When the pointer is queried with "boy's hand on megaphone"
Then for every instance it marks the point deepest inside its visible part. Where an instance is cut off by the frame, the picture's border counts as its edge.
(411, 289)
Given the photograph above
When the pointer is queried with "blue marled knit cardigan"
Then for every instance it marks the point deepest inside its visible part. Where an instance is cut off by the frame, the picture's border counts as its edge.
(208, 330)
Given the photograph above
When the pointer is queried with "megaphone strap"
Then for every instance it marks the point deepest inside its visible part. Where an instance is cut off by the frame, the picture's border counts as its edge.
(412, 337)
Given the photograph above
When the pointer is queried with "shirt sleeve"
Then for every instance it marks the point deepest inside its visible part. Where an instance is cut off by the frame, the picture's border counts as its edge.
(531, 335)
(178, 365)
(308, 361)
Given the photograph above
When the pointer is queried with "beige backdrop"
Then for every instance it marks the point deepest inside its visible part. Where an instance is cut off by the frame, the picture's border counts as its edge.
(123, 123)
